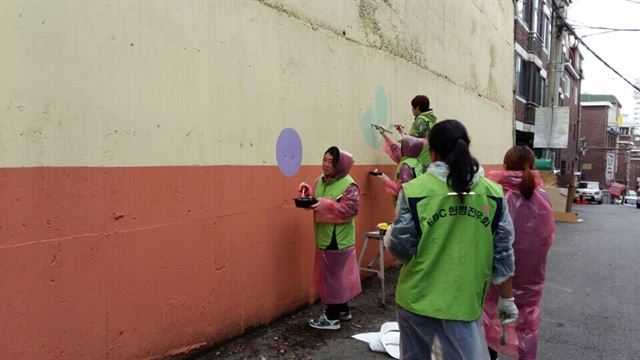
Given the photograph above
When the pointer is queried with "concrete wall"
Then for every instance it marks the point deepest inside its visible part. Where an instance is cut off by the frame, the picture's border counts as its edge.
(145, 205)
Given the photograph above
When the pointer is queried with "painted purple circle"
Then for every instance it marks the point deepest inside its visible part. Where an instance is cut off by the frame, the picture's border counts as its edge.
(289, 152)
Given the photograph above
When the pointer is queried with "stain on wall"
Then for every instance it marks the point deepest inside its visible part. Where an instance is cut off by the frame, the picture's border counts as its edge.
(381, 22)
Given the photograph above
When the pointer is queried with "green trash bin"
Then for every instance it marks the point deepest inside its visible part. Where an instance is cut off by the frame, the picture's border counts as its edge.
(544, 164)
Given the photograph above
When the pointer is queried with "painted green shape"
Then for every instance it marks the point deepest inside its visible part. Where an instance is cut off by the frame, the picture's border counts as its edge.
(382, 111)
(380, 117)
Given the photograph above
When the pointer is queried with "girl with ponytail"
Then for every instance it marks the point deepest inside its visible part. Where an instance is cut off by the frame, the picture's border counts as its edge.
(532, 216)
(450, 144)
(453, 233)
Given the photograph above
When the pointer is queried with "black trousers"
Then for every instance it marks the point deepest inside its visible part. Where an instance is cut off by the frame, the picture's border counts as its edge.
(333, 310)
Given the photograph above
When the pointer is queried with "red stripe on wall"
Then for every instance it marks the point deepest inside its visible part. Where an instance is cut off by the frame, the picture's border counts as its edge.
(137, 262)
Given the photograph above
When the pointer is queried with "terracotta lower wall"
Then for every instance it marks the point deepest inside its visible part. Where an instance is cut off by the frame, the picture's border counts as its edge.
(129, 263)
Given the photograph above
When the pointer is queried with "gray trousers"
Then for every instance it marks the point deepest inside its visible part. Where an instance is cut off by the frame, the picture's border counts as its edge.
(459, 340)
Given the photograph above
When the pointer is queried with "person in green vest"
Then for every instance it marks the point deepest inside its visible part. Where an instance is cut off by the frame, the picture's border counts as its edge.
(454, 236)
(424, 120)
(336, 273)
(405, 154)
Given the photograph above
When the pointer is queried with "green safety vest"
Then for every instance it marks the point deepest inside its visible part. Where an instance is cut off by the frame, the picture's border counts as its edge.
(345, 233)
(414, 164)
(450, 273)
(430, 119)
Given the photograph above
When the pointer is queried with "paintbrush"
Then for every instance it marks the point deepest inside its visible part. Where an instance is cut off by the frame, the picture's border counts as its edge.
(380, 128)
(503, 332)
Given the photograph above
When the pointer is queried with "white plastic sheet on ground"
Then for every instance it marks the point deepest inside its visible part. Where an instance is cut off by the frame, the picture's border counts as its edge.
(387, 340)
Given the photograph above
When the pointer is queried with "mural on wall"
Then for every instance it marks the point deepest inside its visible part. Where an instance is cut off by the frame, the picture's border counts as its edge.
(289, 152)
(289, 144)
(377, 114)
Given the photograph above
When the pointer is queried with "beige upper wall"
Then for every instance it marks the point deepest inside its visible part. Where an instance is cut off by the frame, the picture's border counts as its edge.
(206, 83)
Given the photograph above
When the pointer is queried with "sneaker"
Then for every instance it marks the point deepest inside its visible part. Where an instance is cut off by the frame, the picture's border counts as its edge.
(345, 315)
(324, 324)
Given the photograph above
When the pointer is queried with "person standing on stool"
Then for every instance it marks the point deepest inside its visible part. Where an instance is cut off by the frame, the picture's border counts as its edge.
(454, 236)
(336, 274)
(424, 120)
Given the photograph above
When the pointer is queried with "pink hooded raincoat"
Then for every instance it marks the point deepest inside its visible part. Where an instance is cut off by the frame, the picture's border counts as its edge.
(336, 275)
(534, 232)
(409, 146)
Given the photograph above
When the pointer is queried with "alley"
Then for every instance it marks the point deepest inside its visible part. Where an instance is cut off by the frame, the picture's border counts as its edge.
(590, 307)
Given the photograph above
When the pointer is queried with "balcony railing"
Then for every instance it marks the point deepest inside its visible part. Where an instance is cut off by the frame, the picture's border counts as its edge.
(530, 113)
(535, 45)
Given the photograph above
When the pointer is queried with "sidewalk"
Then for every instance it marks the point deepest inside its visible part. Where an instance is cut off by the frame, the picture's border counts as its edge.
(290, 337)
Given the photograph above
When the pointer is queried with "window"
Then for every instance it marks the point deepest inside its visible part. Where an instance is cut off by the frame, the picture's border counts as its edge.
(523, 77)
(520, 9)
(547, 33)
(524, 10)
(530, 85)
(575, 98)
(563, 167)
(567, 85)
(523, 87)
(541, 18)
(519, 75)
(538, 84)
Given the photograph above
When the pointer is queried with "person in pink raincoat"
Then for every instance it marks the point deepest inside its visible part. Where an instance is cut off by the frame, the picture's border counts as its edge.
(336, 274)
(532, 216)
(404, 153)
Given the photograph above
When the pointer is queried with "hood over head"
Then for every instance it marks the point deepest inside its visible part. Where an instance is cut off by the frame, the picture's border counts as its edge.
(411, 146)
(511, 179)
(343, 165)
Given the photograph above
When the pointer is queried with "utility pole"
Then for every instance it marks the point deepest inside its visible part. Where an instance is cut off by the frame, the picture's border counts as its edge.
(551, 96)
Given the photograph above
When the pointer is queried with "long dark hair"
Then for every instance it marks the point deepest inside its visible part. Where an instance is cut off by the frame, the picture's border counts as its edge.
(523, 159)
(449, 139)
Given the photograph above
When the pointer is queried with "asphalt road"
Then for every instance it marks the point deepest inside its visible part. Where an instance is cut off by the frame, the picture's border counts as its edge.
(591, 302)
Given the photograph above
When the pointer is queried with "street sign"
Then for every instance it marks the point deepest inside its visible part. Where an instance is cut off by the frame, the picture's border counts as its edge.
(609, 170)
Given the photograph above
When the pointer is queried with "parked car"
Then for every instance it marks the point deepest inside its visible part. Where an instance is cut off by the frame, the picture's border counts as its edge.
(631, 199)
(589, 190)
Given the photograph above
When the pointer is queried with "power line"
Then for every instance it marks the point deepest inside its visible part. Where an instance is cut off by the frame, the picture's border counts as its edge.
(571, 30)
(598, 33)
(603, 28)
